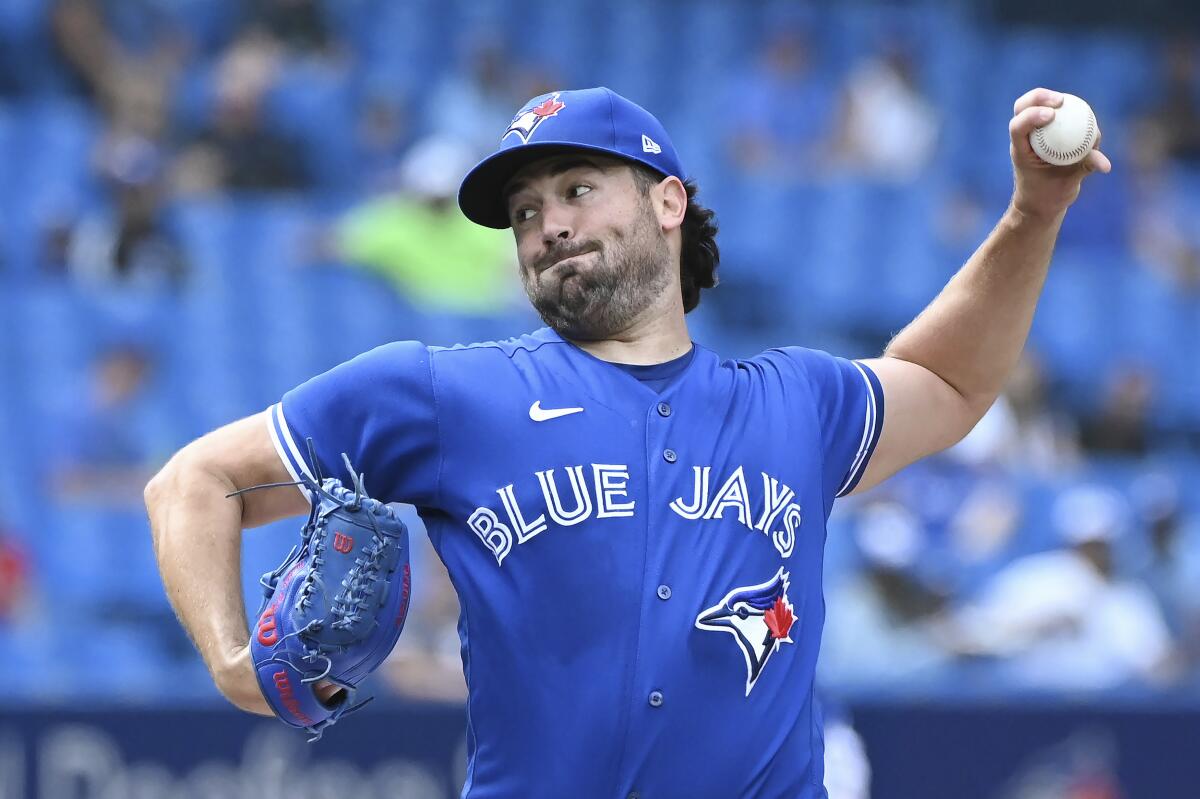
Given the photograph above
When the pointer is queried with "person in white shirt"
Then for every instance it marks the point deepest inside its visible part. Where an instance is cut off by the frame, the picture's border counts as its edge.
(1064, 619)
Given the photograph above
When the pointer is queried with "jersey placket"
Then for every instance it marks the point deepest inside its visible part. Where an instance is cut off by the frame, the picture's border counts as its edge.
(650, 692)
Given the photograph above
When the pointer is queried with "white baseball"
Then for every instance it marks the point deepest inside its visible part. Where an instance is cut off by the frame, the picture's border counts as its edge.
(1069, 137)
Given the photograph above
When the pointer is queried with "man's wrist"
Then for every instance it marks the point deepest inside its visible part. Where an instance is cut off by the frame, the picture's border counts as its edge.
(1025, 215)
(236, 679)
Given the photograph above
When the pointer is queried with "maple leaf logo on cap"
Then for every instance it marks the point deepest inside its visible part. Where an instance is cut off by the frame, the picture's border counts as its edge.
(550, 107)
(528, 120)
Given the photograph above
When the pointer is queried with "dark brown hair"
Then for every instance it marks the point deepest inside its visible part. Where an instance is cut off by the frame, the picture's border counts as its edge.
(699, 255)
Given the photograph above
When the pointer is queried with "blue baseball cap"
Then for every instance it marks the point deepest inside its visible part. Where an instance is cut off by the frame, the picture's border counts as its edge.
(596, 120)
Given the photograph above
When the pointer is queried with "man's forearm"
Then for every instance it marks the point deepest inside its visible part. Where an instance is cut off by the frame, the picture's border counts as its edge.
(972, 335)
(197, 541)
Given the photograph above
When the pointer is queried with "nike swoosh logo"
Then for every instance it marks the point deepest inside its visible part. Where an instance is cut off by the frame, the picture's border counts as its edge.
(539, 414)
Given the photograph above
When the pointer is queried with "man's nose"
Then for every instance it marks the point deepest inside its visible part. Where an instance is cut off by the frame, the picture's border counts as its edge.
(556, 224)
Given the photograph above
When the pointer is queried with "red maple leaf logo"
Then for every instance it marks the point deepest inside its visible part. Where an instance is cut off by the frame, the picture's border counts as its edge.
(549, 108)
(779, 619)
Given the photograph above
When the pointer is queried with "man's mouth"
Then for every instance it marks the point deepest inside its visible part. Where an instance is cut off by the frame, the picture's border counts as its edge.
(565, 259)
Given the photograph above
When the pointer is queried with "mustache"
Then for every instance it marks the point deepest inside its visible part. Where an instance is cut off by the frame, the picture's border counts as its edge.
(562, 252)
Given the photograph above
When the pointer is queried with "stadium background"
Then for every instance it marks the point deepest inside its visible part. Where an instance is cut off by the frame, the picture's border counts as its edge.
(205, 202)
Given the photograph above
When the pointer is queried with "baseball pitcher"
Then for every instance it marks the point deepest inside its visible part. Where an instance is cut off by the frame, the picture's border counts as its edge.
(634, 525)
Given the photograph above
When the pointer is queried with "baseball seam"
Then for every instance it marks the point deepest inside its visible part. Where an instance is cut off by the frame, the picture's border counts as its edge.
(1072, 155)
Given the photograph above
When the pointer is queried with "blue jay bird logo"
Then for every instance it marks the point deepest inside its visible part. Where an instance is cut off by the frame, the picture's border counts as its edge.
(760, 619)
(527, 120)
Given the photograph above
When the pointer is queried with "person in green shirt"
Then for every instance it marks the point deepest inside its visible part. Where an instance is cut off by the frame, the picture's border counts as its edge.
(419, 240)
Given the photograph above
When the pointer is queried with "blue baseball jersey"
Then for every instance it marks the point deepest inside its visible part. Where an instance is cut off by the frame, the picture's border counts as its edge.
(639, 571)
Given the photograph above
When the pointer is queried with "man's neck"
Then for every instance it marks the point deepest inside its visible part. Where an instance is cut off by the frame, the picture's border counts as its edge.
(657, 339)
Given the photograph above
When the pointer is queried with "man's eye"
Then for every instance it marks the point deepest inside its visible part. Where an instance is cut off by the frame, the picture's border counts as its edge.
(524, 214)
(579, 190)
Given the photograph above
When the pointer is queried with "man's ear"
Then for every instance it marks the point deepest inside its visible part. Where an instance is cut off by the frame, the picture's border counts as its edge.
(670, 203)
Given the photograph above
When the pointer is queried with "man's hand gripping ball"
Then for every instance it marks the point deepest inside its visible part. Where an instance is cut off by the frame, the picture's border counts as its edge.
(1044, 190)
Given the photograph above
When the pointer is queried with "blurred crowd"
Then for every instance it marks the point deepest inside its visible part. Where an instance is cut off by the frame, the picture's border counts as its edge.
(1056, 549)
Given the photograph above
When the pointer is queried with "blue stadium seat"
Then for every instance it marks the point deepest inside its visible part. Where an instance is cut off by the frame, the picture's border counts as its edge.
(840, 256)
(309, 94)
(203, 227)
(1073, 329)
(54, 147)
(29, 63)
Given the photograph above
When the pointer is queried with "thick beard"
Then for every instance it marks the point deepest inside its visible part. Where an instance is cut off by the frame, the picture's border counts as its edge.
(602, 299)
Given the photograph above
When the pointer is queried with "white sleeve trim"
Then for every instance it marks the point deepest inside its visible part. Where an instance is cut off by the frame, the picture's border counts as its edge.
(864, 446)
(285, 447)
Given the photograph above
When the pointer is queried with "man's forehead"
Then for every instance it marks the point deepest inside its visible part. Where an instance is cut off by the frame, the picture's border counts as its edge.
(554, 165)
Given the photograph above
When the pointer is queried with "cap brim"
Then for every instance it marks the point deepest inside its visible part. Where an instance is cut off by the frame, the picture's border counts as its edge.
(480, 196)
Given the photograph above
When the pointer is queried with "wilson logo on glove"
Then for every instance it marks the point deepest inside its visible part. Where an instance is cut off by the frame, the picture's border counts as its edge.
(405, 586)
(288, 697)
(331, 620)
(266, 628)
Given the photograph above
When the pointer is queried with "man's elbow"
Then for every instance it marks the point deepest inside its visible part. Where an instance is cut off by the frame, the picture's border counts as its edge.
(973, 411)
(957, 423)
(158, 491)
(170, 482)
(155, 489)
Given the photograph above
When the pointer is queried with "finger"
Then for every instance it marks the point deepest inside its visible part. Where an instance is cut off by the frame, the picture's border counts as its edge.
(1096, 161)
(1020, 126)
(325, 689)
(1046, 97)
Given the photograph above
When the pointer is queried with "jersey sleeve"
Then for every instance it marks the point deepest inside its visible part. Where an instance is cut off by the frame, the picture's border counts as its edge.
(379, 409)
(848, 400)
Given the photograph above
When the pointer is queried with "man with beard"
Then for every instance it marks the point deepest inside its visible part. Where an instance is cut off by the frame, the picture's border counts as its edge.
(634, 526)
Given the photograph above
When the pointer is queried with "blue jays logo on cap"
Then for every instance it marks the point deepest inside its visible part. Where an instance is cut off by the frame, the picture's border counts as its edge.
(527, 120)
(760, 619)
(596, 120)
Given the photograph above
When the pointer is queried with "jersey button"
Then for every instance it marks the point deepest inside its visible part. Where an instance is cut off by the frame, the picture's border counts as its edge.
(669, 456)
(634, 795)
(664, 409)
(664, 592)
(656, 699)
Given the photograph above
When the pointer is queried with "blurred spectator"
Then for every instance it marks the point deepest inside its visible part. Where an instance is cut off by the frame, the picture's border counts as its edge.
(14, 578)
(847, 769)
(130, 242)
(1175, 120)
(1164, 236)
(237, 150)
(987, 520)
(108, 66)
(1172, 570)
(1122, 422)
(1063, 619)
(382, 135)
(104, 457)
(889, 129)
(299, 26)
(420, 241)
(970, 500)
(1047, 438)
(780, 113)
(1163, 203)
(472, 104)
(426, 663)
(1021, 431)
(877, 631)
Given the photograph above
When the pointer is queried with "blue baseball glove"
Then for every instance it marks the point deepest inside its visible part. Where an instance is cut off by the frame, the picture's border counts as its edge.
(335, 607)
